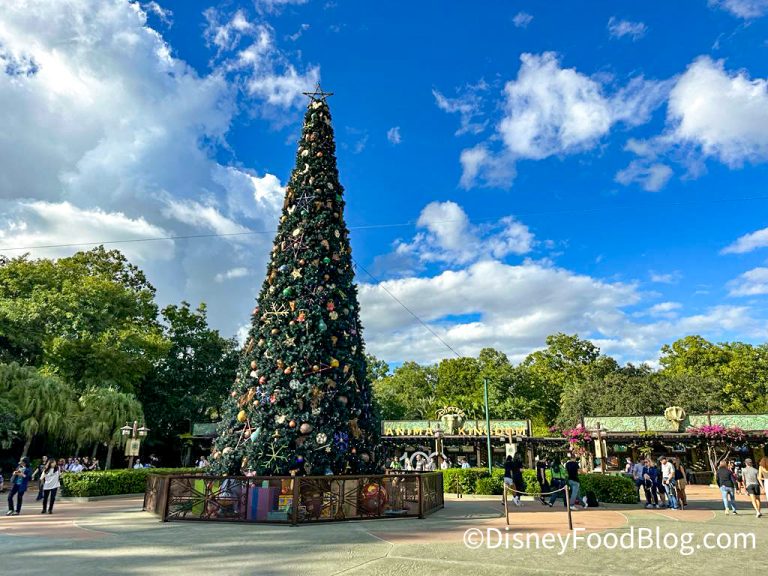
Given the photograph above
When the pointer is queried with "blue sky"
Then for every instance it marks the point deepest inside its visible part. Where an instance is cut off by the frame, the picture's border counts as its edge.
(512, 169)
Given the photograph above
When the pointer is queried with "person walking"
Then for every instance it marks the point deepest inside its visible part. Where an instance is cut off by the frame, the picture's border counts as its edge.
(637, 475)
(558, 481)
(669, 483)
(541, 477)
(680, 483)
(650, 483)
(38, 474)
(572, 469)
(727, 484)
(762, 474)
(19, 482)
(749, 475)
(51, 482)
(517, 478)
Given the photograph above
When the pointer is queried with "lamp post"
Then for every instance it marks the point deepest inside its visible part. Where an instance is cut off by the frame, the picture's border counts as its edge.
(133, 437)
(487, 426)
(438, 445)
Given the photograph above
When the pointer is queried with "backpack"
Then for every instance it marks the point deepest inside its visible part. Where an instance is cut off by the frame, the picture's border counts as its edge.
(590, 500)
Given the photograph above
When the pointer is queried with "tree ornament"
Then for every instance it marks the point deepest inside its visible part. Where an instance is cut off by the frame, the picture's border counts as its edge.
(321, 438)
(294, 384)
(342, 400)
(280, 418)
(305, 428)
(333, 315)
(292, 424)
(326, 260)
(322, 326)
(330, 306)
(334, 363)
(242, 416)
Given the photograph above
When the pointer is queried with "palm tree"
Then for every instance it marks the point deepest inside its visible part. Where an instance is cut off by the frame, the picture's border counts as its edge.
(102, 412)
(45, 405)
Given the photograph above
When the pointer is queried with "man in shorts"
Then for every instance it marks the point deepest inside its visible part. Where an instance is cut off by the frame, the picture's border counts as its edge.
(749, 476)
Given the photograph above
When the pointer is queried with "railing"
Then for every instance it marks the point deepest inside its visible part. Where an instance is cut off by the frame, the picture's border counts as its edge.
(293, 500)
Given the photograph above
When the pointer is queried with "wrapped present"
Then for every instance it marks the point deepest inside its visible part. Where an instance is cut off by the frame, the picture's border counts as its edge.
(278, 516)
(262, 501)
(284, 502)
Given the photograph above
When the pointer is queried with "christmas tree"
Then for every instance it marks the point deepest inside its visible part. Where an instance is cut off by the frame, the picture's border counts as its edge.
(301, 401)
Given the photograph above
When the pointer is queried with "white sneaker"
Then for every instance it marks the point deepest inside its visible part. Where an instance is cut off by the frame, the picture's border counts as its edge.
(734, 511)
(574, 508)
(727, 511)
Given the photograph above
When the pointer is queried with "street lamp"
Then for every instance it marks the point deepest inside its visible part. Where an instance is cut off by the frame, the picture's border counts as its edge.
(133, 436)
(438, 445)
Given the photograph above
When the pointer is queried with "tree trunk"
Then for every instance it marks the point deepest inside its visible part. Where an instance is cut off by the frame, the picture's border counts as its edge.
(95, 450)
(108, 463)
(27, 445)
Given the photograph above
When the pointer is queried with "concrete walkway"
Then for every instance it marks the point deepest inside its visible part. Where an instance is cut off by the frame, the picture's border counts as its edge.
(115, 537)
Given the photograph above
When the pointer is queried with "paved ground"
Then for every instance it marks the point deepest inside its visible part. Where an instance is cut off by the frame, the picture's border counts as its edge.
(115, 537)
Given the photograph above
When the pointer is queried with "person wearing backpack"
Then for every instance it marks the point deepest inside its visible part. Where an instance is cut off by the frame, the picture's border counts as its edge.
(558, 482)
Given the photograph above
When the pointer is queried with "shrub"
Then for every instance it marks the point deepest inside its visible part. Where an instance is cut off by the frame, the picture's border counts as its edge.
(113, 482)
(466, 477)
(609, 488)
(489, 485)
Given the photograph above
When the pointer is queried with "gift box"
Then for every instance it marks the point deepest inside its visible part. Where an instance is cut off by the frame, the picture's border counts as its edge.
(262, 501)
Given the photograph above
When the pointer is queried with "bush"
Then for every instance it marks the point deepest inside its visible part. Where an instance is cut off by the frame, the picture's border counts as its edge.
(490, 485)
(609, 488)
(113, 482)
(466, 477)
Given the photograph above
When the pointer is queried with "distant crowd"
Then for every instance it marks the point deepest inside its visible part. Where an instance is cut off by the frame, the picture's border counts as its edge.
(48, 475)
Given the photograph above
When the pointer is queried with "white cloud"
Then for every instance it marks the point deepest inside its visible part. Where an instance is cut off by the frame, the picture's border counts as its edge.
(550, 110)
(514, 309)
(38, 223)
(752, 283)
(619, 28)
(522, 19)
(393, 135)
(142, 131)
(651, 177)
(748, 243)
(200, 216)
(248, 52)
(723, 114)
(468, 105)
(274, 6)
(665, 278)
(230, 274)
(164, 14)
(665, 309)
(299, 33)
(746, 9)
(450, 237)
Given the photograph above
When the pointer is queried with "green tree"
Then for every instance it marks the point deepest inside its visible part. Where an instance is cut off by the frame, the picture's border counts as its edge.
(45, 405)
(187, 385)
(408, 392)
(87, 318)
(459, 383)
(377, 369)
(561, 369)
(303, 383)
(103, 412)
(737, 371)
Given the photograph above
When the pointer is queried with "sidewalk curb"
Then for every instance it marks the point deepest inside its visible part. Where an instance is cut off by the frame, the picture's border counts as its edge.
(99, 498)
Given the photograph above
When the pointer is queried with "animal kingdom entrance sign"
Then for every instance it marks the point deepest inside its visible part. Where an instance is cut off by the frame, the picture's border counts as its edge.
(467, 429)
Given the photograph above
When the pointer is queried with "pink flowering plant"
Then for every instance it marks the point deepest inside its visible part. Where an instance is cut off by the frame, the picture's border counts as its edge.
(578, 439)
(719, 440)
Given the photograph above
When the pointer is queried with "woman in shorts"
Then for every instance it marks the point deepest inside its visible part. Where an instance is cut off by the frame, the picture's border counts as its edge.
(752, 485)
